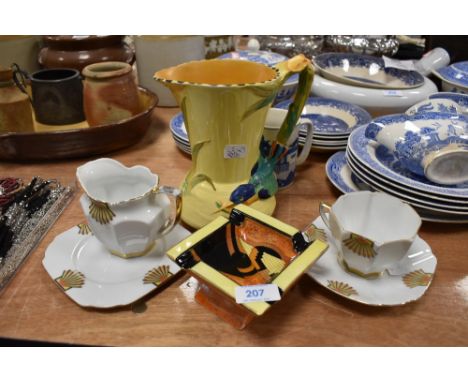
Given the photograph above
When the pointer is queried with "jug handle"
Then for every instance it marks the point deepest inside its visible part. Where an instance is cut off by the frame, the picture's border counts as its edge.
(19, 78)
(325, 209)
(298, 64)
(177, 195)
(308, 142)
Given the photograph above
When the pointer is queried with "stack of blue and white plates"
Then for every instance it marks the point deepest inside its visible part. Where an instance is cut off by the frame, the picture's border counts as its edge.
(333, 121)
(362, 167)
(179, 133)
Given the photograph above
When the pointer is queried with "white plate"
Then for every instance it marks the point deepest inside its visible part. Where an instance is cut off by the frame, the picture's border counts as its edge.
(404, 283)
(92, 277)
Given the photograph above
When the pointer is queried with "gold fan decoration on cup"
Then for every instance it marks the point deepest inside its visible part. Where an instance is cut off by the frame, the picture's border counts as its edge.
(101, 212)
(157, 275)
(417, 278)
(360, 245)
(70, 279)
(341, 288)
(84, 229)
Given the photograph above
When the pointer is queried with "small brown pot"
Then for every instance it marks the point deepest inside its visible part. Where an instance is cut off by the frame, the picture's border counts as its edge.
(110, 93)
(15, 108)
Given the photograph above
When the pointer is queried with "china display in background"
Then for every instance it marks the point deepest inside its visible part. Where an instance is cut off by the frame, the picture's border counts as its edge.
(217, 45)
(313, 45)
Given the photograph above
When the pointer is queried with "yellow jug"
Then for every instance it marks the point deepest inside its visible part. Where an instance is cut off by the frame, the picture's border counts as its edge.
(224, 103)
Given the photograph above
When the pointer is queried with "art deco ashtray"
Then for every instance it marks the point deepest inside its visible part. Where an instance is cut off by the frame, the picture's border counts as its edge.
(248, 248)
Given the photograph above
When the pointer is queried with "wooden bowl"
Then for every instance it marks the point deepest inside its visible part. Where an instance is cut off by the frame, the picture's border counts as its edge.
(79, 140)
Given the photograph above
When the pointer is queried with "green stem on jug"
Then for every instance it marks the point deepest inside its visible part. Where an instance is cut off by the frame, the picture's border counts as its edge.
(294, 65)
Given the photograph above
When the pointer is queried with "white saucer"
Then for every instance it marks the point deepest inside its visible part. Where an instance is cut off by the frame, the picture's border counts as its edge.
(404, 283)
(92, 277)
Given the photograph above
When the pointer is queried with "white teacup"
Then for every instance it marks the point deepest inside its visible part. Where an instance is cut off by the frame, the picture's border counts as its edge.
(285, 169)
(371, 230)
(126, 208)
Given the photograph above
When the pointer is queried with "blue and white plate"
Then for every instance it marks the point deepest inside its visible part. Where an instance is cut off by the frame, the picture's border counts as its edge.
(459, 98)
(365, 71)
(183, 148)
(178, 127)
(435, 105)
(344, 179)
(341, 176)
(452, 75)
(427, 214)
(401, 188)
(461, 66)
(366, 153)
(441, 207)
(259, 56)
(321, 144)
(331, 117)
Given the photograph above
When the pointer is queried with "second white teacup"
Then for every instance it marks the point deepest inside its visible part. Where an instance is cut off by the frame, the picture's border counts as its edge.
(285, 169)
(371, 230)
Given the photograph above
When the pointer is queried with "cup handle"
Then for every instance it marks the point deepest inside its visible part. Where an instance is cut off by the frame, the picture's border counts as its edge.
(177, 196)
(308, 142)
(324, 210)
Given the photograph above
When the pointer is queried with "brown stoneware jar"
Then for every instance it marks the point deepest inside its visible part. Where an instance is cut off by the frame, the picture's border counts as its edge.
(15, 108)
(110, 93)
(79, 51)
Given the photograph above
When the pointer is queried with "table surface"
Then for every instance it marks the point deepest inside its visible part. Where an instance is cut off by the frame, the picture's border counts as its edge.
(33, 308)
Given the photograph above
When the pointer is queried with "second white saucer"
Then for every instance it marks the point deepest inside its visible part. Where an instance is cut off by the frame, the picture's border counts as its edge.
(405, 282)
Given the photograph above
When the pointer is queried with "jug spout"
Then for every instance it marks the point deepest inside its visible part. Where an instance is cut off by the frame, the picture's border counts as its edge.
(108, 181)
